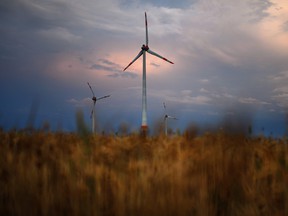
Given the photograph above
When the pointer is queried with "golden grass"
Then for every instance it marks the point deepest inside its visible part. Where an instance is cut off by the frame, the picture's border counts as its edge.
(213, 174)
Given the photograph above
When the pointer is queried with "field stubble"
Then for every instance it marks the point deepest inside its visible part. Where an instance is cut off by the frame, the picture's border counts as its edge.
(213, 174)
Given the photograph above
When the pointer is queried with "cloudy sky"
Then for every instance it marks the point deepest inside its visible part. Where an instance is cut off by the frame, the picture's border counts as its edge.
(231, 59)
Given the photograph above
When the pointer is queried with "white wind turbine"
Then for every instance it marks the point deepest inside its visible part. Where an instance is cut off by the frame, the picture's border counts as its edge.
(144, 49)
(92, 115)
(166, 117)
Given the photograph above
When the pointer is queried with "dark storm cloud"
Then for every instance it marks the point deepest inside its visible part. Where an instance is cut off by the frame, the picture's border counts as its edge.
(33, 29)
(123, 74)
(154, 64)
(44, 26)
(116, 69)
(160, 3)
(36, 14)
(107, 62)
(103, 67)
(259, 8)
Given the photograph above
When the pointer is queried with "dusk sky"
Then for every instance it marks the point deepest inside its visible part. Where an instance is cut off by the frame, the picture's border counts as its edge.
(231, 59)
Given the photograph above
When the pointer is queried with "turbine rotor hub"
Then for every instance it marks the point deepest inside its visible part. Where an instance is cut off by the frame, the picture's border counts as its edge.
(145, 47)
(94, 99)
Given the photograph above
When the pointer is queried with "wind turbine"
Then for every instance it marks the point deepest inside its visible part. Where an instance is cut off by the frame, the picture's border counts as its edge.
(145, 48)
(92, 115)
(166, 117)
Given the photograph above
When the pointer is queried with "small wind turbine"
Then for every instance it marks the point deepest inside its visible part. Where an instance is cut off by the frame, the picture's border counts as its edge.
(92, 115)
(145, 48)
(166, 117)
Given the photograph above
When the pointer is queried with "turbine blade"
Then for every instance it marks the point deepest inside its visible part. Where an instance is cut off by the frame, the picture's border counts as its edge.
(164, 105)
(91, 89)
(103, 97)
(146, 26)
(171, 117)
(91, 114)
(155, 54)
(139, 54)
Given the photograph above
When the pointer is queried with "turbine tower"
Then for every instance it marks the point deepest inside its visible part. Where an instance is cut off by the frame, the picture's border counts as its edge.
(145, 48)
(94, 99)
(166, 117)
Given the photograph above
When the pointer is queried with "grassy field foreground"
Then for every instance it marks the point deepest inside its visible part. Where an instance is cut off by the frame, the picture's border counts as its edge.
(213, 174)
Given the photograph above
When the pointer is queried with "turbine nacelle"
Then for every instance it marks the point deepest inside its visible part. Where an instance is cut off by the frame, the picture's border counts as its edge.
(145, 47)
(169, 117)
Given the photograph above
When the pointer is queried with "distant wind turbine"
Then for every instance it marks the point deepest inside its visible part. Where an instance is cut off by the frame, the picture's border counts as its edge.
(92, 115)
(166, 117)
(144, 49)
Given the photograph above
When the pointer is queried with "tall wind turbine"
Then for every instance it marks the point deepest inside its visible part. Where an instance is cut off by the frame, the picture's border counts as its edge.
(92, 115)
(145, 48)
(166, 117)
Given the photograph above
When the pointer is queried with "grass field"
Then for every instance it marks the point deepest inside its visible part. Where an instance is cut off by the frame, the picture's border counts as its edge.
(43, 173)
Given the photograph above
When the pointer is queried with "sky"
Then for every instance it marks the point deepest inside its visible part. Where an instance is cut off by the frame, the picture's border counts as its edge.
(231, 62)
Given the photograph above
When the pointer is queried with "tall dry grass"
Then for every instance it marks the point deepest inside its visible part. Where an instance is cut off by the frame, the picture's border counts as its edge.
(213, 174)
